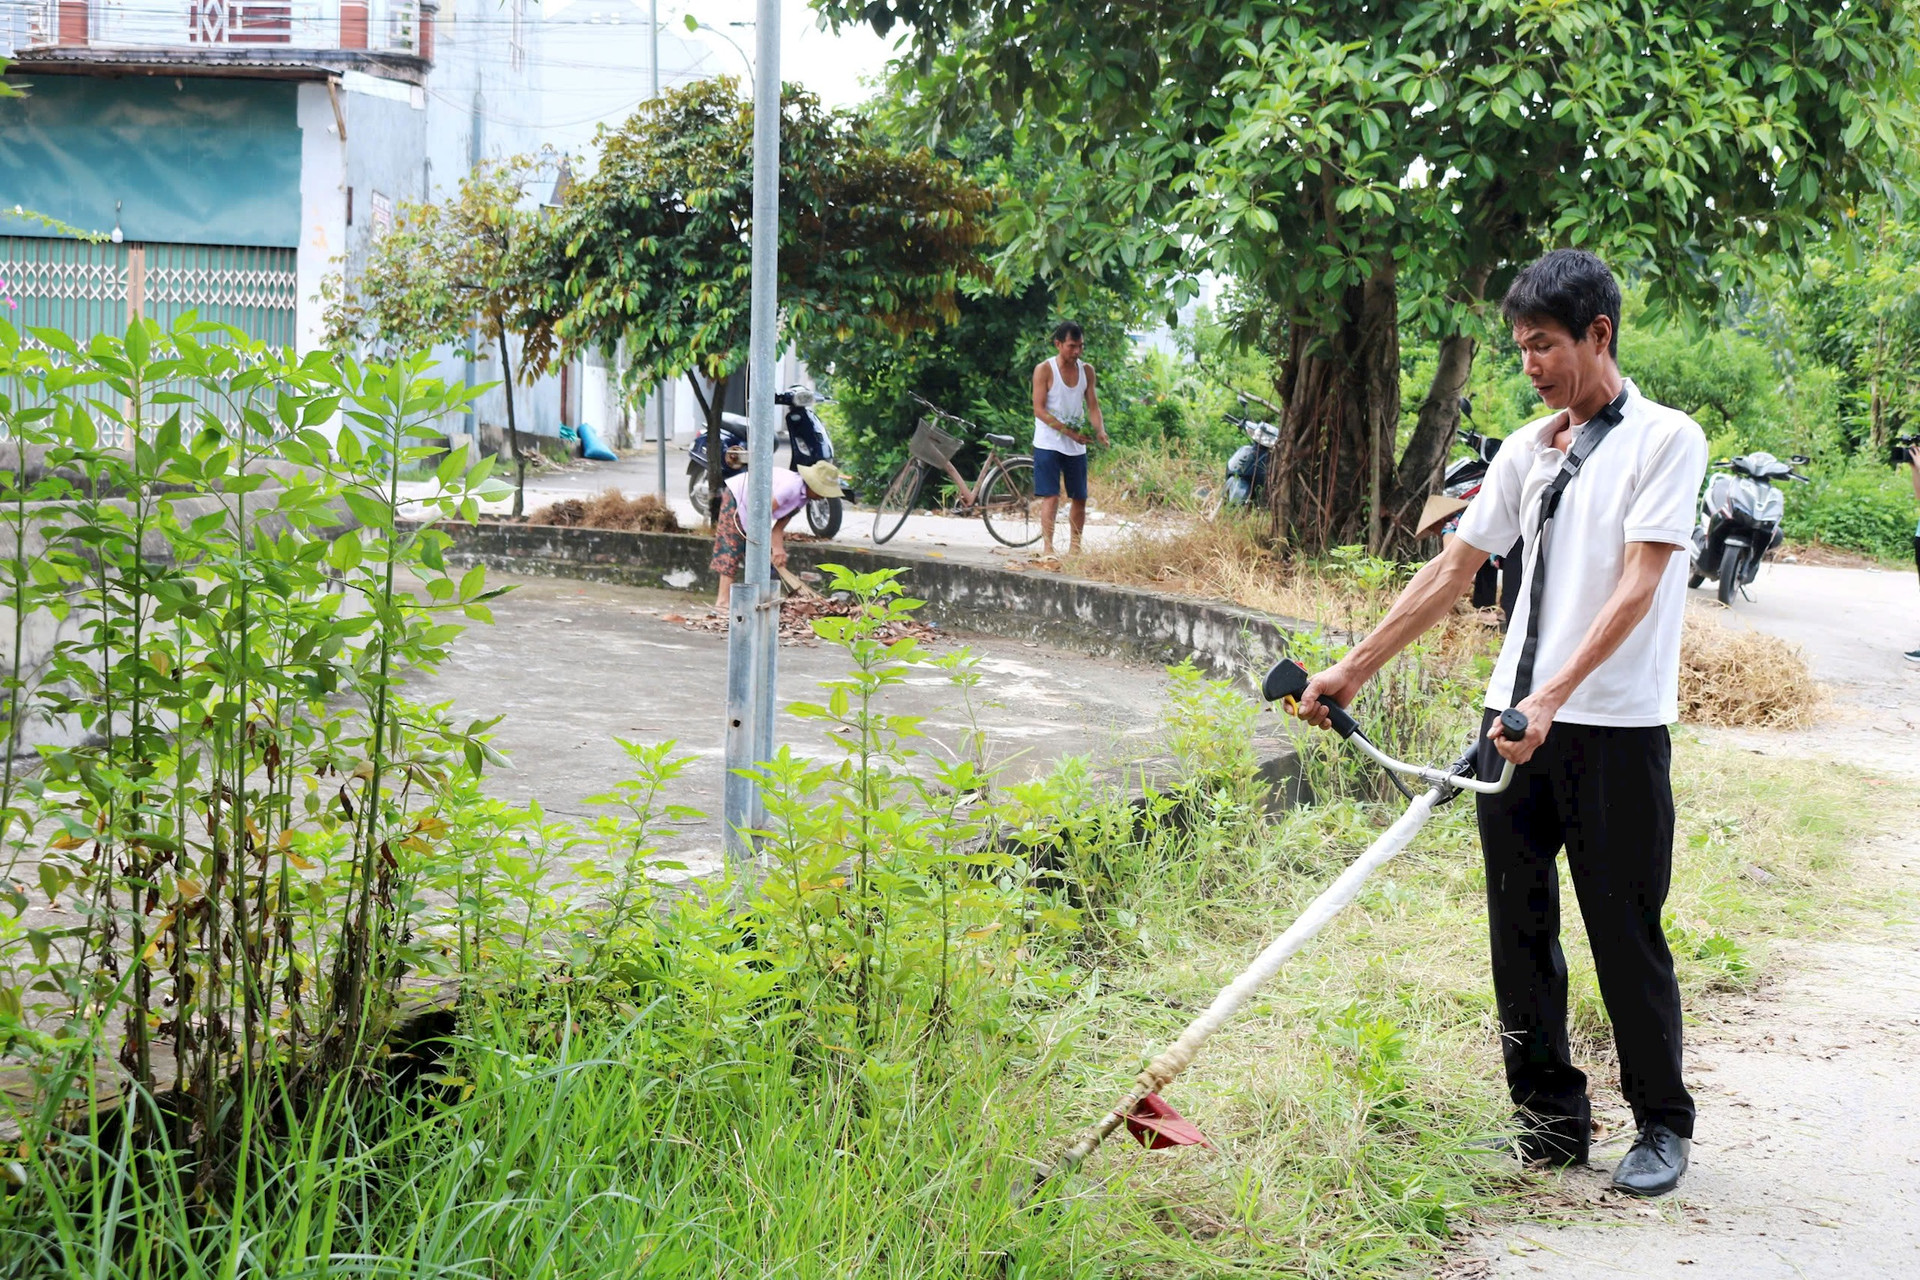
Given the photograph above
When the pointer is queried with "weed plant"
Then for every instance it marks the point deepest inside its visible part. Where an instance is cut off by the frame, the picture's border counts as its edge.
(231, 800)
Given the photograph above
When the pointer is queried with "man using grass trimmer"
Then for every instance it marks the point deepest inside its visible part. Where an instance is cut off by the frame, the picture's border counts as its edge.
(1603, 491)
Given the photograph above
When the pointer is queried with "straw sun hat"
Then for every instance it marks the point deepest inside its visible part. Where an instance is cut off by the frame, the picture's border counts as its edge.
(823, 478)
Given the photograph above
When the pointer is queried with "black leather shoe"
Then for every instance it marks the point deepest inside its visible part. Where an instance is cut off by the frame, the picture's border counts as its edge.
(1553, 1139)
(1654, 1166)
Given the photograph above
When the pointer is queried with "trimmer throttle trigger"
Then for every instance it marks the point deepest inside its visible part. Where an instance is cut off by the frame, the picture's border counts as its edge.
(1287, 680)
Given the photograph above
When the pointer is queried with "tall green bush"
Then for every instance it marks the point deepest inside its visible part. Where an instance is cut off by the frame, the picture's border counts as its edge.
(231, 798)
(1863, 507)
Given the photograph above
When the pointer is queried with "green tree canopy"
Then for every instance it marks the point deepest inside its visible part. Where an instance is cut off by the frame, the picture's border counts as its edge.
(979, 362)
(1357, 165)
(652, 253)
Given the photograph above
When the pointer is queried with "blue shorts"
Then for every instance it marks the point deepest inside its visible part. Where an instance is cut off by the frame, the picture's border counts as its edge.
(1050, 467)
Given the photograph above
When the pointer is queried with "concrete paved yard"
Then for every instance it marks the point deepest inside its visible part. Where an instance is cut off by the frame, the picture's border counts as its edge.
(575, 665)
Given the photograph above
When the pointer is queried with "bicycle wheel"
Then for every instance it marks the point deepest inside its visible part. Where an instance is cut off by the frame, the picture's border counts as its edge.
(1007, 508)
(891, 511)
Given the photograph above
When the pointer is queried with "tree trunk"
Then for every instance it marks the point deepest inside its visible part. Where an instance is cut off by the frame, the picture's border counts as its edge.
(1336, 482)
(1342, 392)
(1425, 460)
(513, 429)
(711, 407)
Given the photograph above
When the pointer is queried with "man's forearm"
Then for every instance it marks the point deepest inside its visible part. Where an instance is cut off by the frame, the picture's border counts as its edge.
(1427, 598)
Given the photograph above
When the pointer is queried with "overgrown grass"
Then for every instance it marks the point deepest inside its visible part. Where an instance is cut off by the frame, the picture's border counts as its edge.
(1151, 476)
(1864, 506)
(849, 1070)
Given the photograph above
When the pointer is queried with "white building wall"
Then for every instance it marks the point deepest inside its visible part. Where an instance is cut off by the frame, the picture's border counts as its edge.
(323, 164)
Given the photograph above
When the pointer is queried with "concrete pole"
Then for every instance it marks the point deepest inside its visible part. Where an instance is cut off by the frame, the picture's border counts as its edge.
(660, 394)
(754, 634)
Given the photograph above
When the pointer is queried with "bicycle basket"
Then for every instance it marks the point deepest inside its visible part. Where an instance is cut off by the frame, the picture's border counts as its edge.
(931, 445)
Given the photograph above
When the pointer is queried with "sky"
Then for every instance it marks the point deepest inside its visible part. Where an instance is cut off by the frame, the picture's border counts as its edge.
(594, 59)
(833, 66)
(592, 41)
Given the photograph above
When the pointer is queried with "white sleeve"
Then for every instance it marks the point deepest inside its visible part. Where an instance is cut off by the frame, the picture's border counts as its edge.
(1666, 493)
(1491, 521)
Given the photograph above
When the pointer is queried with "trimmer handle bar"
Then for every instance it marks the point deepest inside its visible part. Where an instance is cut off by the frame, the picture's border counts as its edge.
(1287, 682)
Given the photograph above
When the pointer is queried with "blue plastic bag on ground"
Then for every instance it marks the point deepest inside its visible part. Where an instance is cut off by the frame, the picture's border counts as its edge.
(591, 447)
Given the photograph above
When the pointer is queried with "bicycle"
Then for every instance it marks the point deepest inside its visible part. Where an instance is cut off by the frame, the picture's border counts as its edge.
(1002, 495)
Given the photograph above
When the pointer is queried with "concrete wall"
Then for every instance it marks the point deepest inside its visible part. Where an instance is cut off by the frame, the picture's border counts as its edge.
(1225, 640)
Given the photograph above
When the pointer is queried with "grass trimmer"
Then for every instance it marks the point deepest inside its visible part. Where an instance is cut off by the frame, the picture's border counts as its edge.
(1147, 1116)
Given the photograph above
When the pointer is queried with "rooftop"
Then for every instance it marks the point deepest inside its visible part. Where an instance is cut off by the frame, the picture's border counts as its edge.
(276, 39)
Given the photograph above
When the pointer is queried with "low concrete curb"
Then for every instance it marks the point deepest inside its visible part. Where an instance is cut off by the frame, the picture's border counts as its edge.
(1224, 640)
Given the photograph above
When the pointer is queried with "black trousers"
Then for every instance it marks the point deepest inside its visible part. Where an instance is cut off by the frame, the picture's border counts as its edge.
(1605, 796)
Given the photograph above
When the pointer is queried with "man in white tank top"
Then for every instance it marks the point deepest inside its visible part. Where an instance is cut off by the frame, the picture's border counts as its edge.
(1063, 400)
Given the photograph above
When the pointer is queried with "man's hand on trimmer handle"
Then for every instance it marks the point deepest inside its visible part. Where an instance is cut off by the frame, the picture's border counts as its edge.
(1338, 684)
(1539, 708)
(1322, 701)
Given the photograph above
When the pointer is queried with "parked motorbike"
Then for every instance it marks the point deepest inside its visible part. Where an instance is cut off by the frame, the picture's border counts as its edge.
(1247, 468)
(807, 441)
(1740, 520)
(1498, 580)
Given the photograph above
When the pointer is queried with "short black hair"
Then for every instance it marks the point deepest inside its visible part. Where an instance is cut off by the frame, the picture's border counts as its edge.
(1569, 286)
(1067, 329)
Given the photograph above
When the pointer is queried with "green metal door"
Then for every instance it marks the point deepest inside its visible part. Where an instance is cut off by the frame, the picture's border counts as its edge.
(82, 289)
(252, 289)
(74, 286)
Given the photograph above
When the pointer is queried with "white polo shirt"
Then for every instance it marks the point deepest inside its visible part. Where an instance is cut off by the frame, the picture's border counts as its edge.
(1641, 485)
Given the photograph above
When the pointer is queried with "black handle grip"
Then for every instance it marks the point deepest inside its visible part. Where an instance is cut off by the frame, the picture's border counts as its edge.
(1287, 680)
(1513, 725)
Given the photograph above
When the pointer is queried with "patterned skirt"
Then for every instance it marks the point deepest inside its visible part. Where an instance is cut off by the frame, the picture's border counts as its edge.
(729, 539)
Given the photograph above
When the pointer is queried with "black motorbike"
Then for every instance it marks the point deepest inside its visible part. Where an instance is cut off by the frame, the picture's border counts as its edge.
(1740, 520)
(1247, 468)
(1498, 580)
(807, 442)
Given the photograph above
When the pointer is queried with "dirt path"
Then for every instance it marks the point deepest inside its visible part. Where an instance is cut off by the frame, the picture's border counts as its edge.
(1807, 1158)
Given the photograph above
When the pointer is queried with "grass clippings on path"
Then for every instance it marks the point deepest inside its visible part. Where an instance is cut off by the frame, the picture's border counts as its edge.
(799, 613)
(1738, 678)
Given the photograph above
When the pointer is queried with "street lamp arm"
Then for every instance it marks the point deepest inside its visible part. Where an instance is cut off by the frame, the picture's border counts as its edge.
(694, 24)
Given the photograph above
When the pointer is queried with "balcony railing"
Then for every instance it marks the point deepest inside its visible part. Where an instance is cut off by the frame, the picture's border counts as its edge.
(378, 26)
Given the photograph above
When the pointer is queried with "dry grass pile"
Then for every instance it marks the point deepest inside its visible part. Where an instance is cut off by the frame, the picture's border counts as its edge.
(1230, 558)
(1730, 677)
(1736, 678)
(1225, 558)
(610, 509)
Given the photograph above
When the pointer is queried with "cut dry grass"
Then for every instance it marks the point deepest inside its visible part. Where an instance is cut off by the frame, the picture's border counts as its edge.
(1736, 678)
(610, 509)
(1729, 677)
(1226, 558)
(1230, 558)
